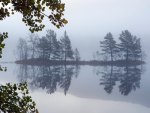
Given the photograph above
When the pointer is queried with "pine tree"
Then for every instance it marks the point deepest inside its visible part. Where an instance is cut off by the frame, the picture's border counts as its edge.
(130, 46)
(55, 48)
(109, 45)
(43, 48)
(76, 55)
(49, 35)
(136, 49)
(66, 47)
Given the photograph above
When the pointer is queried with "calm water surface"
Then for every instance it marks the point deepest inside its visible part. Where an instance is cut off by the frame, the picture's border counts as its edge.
(84, 89)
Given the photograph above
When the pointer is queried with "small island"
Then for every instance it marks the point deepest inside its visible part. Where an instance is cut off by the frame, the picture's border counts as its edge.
(48, 50)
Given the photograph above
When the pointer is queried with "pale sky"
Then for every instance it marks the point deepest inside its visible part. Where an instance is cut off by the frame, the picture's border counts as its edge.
(89, 21)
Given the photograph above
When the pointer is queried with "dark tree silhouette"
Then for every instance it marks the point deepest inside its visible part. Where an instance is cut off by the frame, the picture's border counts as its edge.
(43, 47)
(33, 14)
(2, 45)
(129, 78)
(109, 45)
(108, 80)
(66, 47)
(48, 77)
(14, 98)
(54, 52)
(46, 48)
(130, 46)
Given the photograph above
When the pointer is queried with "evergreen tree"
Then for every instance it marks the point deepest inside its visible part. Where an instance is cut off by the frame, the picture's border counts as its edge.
(109, 45)
(54, 45)
(49, 36)
(130, 46)
(56, 49)
(43, 48)
(66, 47)
(76, 55)
(136, 49)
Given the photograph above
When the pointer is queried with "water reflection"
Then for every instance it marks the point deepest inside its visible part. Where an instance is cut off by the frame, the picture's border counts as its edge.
(48, 77)
(128, 78)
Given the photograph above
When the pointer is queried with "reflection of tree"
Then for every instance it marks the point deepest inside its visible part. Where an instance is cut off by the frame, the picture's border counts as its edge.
(129, 78)
(49, 78)
(23, 72)
(108, 80)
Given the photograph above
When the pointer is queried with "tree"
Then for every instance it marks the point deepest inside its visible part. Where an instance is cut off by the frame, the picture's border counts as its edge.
(43, 47)
(33, 13)
(49, 36)
(136, 48)
(109, 45)
(22, 49)
(66, 46)
(14, 98)
(130, 45)
(129, 79)
(33, 40)
(2, 45)
(76, 55)
(108, 79)
(54, 52)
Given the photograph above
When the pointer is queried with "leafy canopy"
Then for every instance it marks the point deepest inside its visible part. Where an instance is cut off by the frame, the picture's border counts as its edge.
(33, 12)
(14, 98)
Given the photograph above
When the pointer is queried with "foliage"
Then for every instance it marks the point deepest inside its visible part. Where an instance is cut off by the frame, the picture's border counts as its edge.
(43, 47)
(130, 46)
(66, 46)
(14, 98)
(47, 47)
(2, 45)
(109, 45)
(128, 78)
(33, 12)
(54, 52)
(49, 78)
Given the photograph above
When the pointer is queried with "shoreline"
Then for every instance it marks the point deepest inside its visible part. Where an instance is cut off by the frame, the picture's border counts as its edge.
(39, 62)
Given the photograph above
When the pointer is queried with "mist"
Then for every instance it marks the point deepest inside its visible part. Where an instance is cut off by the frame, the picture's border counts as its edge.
(89, 22)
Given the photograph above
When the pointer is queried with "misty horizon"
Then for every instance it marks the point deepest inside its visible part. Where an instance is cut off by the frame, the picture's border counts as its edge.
(87, 26)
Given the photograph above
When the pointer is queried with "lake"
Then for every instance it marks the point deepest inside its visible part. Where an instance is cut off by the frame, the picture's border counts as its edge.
(84, 89)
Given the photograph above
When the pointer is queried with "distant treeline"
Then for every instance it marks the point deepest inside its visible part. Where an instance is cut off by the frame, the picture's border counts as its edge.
(129, 49)
(47, 47)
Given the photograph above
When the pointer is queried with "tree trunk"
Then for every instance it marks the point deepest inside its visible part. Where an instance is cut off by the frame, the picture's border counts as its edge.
(127, 55)
(111, 56)
(65, 56)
